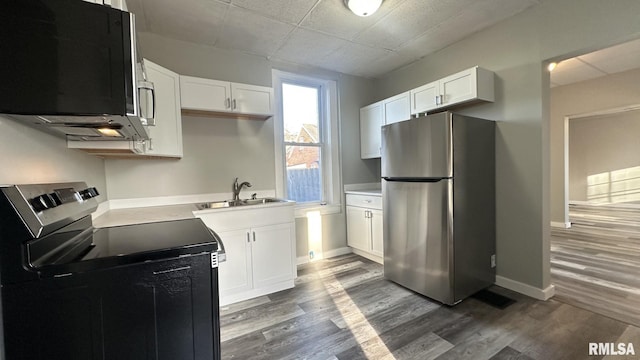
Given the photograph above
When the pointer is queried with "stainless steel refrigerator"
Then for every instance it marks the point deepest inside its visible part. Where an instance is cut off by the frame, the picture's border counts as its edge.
(438, 192)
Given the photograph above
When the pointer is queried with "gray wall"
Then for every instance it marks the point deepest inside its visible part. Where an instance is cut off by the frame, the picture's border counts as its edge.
(515, 50)
(218, 150)
(31, 156)
(606, 145)
(585, 97)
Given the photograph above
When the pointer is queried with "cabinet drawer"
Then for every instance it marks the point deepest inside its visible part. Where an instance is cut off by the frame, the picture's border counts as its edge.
(367, 201)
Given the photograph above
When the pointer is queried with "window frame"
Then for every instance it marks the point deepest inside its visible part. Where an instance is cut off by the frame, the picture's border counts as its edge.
(329, 137)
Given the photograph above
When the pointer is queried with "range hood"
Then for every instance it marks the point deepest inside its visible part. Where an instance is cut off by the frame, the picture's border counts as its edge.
(88, 128)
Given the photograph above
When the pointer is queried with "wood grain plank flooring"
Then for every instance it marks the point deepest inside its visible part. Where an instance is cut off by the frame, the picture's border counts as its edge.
(595, 264)
(343, 309)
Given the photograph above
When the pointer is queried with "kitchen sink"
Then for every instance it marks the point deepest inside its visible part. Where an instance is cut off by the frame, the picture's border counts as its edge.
(234, 203)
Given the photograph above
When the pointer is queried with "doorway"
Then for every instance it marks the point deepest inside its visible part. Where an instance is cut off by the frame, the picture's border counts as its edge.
(595, 242)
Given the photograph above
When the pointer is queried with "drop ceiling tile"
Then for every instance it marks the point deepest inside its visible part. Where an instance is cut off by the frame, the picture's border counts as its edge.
(384, 65)
(333, 17)
(409, 20)
(615, 59)
(352, 58)
(189, 20)
(306, 46)
(252, 33)
(573, 70)
(288, 11)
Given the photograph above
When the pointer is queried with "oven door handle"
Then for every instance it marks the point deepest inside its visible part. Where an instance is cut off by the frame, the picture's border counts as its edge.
(222, 253)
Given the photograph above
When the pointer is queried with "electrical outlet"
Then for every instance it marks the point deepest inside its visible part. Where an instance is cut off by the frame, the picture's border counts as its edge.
(493, 261)
(311, 255)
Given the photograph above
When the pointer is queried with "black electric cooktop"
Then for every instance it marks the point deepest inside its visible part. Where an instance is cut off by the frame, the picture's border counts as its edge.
(129, 244)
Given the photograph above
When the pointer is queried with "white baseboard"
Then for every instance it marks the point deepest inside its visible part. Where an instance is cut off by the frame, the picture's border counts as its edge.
(565, 225)
(532, 291)
(326, 254)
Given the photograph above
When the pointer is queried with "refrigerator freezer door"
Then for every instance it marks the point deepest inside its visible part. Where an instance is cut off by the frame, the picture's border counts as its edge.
(418, 236)
(418, 148)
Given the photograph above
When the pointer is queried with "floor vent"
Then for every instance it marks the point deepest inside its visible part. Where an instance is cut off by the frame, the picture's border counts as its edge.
(493, 299)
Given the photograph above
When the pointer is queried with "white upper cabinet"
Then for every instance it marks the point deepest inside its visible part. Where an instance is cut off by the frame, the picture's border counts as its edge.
(205, 94)
(372, 117)
(165, 139)
(222, 97)
(423, 98)
(371, 120)
(396, 108)
(252, 99)
(471, 85)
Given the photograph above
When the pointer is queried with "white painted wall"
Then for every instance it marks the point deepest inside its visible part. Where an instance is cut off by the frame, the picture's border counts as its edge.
(515, 50)
(30, 156)
(605, 149)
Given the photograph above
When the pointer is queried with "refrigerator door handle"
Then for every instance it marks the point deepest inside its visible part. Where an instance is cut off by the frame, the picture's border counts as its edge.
(414, 180)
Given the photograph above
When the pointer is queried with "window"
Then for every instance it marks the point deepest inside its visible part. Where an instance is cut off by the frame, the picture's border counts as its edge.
(306, 139)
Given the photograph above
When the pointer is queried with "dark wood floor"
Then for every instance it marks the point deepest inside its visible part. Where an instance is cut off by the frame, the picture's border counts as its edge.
(342, 308)
(595, 264)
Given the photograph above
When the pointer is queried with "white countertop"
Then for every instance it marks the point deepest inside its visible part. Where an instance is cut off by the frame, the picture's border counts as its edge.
(148, 214)
(144, 215)
(370, 192)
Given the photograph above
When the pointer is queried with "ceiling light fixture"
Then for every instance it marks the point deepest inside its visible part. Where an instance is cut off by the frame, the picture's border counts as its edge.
(363, 7)
(551, 66)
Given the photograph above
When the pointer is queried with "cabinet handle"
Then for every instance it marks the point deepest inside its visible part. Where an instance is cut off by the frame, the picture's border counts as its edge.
(254, 236)
(248, 237)
(234, 104)
(227, 103)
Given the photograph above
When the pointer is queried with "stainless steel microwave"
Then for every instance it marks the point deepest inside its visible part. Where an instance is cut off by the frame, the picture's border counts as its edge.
(70, 67)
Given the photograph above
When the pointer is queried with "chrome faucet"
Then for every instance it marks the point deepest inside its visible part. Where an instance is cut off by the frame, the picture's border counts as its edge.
(237, 188)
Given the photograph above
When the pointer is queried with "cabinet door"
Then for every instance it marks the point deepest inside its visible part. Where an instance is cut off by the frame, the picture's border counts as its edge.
(371, 120)
(423, 98)
(161, 310)
(397, 108)
(358, 228)
(205, 94)
(376, 232)
(57, 319)
(165, 139)
(459, 87)
(272, 254)
(251, 99)
(235, 273)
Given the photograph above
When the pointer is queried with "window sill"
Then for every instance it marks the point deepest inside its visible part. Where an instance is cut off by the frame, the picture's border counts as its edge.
(302, 210)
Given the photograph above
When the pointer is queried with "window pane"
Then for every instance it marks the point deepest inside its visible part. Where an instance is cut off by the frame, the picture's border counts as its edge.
(300, 113)
(304, 173)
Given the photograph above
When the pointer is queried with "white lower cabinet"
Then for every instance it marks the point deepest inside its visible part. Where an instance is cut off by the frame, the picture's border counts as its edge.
(364, 226)
(260, 248)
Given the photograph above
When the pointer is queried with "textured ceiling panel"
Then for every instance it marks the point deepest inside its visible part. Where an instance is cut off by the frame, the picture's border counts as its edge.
(308, 47)
(326, 34)
(251, 33)
(189, 20)
(288, 11)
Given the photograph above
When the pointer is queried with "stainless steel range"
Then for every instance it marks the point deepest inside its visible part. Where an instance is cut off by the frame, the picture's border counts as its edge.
(71, 291)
